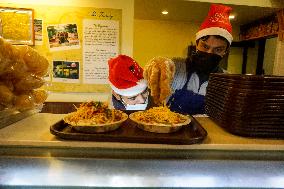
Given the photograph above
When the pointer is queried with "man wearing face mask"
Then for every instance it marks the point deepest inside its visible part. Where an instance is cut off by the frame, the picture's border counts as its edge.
(129, 88)
(191, 77)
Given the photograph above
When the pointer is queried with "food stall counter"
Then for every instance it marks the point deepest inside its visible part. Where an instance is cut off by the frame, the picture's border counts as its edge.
(32, 157)
(33, 132)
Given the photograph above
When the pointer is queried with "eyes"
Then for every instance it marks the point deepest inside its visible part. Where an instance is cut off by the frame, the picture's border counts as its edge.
(205, 46)
(219, 50)
(132, 98)
(144, 94)
(216, 50)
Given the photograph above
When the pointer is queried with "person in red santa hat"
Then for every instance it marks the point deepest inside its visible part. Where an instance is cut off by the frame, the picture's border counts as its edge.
(129, 88)
(191, 77)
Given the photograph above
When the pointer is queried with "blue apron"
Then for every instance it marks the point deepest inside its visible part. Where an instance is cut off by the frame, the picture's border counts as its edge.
(186, 102)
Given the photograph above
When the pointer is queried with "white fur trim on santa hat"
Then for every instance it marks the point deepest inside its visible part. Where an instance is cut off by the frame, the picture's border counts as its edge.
(215, 31)
(132, 91)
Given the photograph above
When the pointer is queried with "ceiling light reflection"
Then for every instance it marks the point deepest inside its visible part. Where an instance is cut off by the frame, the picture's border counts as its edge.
(165, 12)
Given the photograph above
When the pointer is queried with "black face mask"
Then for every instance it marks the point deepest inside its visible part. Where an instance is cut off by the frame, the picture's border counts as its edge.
(204, 63)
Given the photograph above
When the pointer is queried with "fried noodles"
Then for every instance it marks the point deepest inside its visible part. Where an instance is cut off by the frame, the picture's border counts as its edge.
(160, 115)
(94, 113)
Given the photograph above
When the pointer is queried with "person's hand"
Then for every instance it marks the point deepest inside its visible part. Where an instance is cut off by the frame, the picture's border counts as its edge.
(159, 73)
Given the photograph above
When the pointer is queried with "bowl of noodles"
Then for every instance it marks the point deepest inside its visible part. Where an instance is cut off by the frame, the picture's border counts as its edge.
(95, 117)
(159, 120)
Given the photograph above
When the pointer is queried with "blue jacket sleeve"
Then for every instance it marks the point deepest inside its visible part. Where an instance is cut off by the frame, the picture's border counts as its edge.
(184, 101)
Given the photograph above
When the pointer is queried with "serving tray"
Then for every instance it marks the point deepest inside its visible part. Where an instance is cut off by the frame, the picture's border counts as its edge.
(130, 133)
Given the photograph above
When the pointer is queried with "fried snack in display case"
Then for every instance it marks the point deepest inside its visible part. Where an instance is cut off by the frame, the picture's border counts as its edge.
(21, 75)
(95, 117)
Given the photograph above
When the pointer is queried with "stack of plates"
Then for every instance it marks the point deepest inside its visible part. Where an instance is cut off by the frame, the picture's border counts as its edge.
(247, 105)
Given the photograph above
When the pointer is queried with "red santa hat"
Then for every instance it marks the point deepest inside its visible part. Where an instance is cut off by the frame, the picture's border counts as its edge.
(217, 23)
(126, 76)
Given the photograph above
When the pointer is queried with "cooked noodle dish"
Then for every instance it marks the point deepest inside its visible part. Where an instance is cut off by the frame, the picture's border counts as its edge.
(160, 115)
(159, 120)
(94, 113)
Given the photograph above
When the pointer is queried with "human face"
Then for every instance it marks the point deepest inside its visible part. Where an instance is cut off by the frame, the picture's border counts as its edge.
(213, 45)
(137, 99)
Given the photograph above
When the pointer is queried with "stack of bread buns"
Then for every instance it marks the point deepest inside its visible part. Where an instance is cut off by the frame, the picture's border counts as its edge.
(22, 71)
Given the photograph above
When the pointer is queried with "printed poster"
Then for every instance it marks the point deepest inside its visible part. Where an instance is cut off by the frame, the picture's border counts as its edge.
(63, 37)
(66, 71)
(100, 43)
(38, 31)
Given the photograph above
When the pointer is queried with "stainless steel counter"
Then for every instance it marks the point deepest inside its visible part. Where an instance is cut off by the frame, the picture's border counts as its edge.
(32, 157)
(67, 172)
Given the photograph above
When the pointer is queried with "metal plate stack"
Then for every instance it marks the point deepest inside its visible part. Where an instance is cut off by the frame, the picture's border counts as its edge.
(247, 105)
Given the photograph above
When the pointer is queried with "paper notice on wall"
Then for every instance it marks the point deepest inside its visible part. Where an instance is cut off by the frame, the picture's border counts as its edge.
(38, 31)
(100, 43)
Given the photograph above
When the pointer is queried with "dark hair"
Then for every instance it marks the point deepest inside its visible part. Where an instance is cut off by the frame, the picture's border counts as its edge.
(205, 38)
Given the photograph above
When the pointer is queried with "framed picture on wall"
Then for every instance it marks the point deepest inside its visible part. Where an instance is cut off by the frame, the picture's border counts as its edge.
(17, 25)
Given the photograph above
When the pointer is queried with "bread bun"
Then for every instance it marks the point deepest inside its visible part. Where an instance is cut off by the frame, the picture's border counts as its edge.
(2, 107)
(8, 50)
(39, 96)
(6, 95)
(4, 64)
(16, 70)
(29, 82)
(21, 71)
(24, 102)
(159, 73)
(8, 83)
(35, 62)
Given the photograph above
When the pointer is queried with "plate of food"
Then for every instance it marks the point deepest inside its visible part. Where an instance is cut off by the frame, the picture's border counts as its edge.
(159, 120)
(95, 117)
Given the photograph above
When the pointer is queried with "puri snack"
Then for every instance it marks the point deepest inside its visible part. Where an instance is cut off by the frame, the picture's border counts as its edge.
(29, 82)
(36, 63)
(21, 73)
(39, 96)
(6, 95)
(7, 83)
(24, 102)
(159, 73)
(7, 50)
